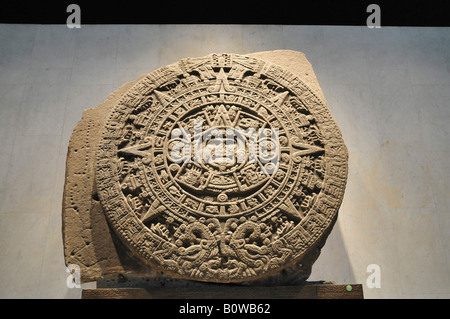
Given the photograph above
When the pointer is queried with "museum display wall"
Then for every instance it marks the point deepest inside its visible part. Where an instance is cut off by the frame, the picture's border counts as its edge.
(388, 90)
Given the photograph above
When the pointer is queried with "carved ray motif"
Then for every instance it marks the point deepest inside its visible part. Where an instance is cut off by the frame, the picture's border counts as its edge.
(141, 150)
(164, 99)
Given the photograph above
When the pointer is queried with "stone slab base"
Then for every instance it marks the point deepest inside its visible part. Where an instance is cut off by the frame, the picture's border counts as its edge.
(307, 291)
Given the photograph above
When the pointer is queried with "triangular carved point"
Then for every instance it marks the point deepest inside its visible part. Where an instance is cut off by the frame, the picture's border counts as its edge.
(279, 99)
(164, 99)
(289, 209)
(136, 150)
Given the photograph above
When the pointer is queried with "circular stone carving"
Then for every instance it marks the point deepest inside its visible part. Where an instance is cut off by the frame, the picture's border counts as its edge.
(224, 168)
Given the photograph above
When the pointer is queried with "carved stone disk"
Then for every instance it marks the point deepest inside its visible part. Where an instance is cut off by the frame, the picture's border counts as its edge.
(223, 168)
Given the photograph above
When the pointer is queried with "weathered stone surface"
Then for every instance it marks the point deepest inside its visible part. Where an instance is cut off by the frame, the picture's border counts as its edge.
(219, 221)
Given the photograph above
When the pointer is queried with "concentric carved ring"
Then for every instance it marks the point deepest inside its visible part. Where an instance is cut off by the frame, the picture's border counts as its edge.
(223, 168)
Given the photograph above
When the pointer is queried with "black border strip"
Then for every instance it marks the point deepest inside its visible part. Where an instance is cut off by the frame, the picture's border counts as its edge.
(300, 12)
(171, 308)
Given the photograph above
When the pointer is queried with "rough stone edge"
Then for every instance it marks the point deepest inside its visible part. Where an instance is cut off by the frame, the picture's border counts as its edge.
(75, 226)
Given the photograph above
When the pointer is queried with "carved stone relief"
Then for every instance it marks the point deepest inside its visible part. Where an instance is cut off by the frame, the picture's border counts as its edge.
(223, 168)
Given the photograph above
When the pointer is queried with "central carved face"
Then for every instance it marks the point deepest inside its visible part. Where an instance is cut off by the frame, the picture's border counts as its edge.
(221, 155)
(215, 168)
